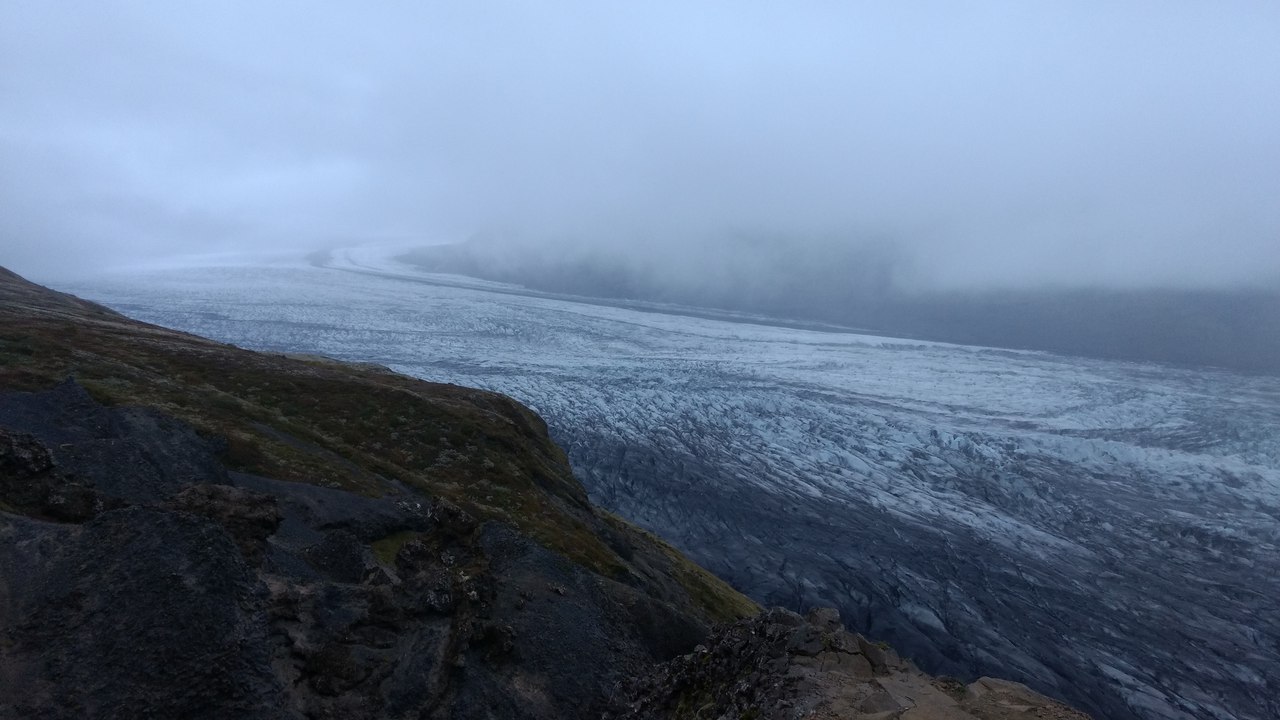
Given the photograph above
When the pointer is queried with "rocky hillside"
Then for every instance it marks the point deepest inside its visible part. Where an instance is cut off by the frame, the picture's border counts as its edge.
(192, 530)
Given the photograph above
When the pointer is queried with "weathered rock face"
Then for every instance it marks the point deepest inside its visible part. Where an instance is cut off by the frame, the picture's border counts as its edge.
(780, 665)
(140, 578)
(29, 484)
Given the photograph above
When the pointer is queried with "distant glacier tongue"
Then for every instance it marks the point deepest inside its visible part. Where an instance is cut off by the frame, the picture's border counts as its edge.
(1105, 532)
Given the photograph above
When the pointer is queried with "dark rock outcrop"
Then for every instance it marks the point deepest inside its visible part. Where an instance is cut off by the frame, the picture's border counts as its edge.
(780, 665)
(177, 589)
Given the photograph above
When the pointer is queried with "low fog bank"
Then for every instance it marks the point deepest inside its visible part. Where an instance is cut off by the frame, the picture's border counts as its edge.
(875, 285)
(1124, 144)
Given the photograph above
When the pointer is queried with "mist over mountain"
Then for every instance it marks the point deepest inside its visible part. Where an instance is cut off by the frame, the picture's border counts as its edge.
(872, 285)
(991, 144)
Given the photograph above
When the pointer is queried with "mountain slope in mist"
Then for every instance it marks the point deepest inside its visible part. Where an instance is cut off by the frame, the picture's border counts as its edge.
(860, 285)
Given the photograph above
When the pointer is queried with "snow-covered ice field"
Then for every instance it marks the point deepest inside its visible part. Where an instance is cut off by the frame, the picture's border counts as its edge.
(1104, 531)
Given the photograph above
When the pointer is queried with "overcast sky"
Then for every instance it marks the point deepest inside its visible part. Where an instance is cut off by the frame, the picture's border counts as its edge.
(996, 143)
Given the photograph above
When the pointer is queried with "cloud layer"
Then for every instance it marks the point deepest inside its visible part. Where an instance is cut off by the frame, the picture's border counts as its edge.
(994, 144)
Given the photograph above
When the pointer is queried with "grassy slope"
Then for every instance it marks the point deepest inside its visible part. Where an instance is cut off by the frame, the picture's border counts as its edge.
(357, 427)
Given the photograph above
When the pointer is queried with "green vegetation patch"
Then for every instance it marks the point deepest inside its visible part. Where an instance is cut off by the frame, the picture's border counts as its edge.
(386, 549)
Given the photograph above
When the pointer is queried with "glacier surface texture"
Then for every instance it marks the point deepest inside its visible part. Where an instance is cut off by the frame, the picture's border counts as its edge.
(1104, 531)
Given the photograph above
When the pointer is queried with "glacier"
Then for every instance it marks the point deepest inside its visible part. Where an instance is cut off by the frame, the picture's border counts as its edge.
(1104, 531)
